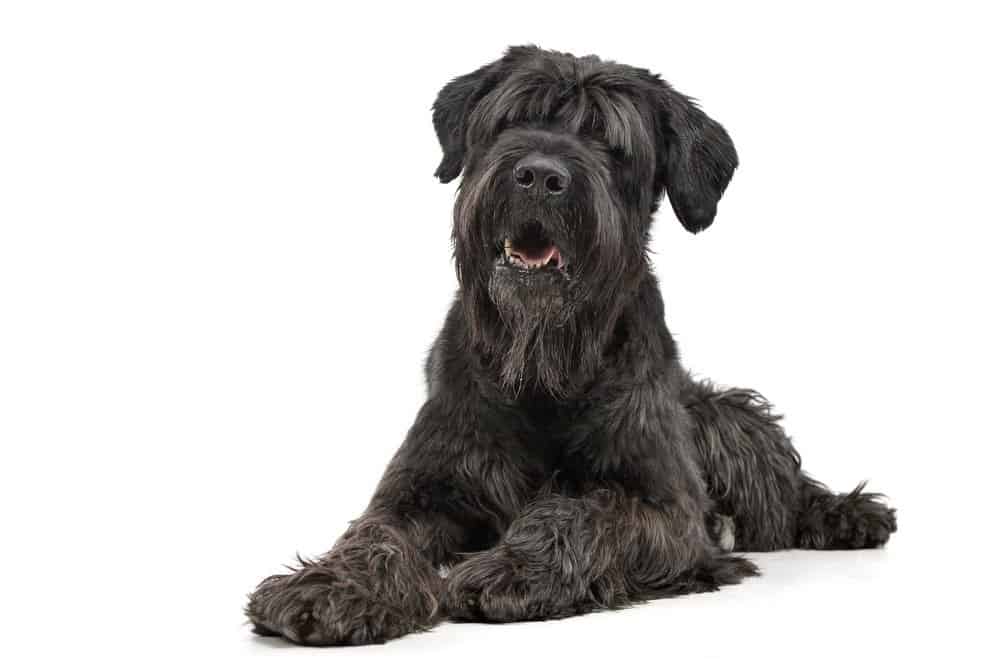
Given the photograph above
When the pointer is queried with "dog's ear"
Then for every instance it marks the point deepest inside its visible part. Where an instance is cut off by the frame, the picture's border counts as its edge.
(457, 100)
(695, 157)
(450, 112)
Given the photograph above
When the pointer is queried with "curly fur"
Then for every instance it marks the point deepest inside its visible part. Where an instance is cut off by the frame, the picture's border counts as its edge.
(565, 461)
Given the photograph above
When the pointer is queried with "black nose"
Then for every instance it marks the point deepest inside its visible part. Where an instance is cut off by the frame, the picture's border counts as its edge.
(547, 174)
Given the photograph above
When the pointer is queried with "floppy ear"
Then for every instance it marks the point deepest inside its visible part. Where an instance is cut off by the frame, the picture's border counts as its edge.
(696, 158)
(451, 109)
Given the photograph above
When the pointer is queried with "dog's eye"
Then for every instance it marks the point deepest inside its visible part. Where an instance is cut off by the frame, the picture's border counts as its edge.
(617, 153)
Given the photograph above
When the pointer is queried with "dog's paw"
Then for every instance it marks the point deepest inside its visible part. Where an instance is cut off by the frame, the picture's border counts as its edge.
(329, 605)
(486, 587)
(853, 520)
(497, 588)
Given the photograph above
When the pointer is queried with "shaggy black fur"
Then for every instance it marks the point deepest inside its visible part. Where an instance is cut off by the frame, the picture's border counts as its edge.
(565, 461)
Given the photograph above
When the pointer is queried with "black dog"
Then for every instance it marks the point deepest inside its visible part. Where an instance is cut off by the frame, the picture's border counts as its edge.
(562, 445)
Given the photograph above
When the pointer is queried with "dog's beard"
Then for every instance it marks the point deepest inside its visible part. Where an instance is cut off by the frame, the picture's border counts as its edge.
(541, 336)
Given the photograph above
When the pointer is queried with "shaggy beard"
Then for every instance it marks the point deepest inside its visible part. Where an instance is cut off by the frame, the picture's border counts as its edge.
(539, 342)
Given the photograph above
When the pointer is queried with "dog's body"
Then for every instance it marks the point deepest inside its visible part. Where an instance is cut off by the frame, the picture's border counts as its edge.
(562, 445)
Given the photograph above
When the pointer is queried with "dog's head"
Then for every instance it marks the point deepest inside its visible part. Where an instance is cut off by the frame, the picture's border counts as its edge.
(564, 161)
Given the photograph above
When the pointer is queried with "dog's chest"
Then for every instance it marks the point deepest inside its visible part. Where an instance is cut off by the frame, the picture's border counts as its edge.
(544, 437)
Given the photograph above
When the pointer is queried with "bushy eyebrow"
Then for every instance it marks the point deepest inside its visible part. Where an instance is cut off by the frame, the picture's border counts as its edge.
(601, 105)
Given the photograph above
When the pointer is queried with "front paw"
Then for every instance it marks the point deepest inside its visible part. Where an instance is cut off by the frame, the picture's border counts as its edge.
(498, 587)
(332, 603)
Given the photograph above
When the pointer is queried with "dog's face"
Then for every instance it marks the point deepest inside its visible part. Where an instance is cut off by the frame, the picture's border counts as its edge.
(564, 160)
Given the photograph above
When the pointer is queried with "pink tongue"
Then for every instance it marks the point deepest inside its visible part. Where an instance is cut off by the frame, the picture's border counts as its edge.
(543, 255)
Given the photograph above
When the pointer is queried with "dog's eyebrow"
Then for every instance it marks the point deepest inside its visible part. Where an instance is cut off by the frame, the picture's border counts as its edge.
(607, 104)
(624, 127)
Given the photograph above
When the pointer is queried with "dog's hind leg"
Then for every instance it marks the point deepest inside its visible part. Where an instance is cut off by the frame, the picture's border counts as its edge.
(855, 520)
(751, 470)
(754, 475)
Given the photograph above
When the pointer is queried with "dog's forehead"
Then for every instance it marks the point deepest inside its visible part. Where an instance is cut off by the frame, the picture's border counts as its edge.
(582, 95)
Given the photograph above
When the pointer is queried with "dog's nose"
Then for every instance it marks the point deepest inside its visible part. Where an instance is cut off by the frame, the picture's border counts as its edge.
(547, 174)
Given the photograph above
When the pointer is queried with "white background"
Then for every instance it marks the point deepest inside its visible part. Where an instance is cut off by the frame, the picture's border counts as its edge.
(223, 256)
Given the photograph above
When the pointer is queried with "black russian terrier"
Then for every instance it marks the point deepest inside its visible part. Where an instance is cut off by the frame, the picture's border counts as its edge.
(564, 460)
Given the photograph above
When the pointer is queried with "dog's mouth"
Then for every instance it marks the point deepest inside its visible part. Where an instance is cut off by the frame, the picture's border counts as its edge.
(530, 249)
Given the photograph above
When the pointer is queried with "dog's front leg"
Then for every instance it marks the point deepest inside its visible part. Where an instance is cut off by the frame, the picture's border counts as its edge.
(372, 586)
(571, 555)
(628, 524)
(381, 580)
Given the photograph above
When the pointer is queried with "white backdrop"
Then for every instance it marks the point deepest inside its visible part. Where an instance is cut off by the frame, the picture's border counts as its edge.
(223, 257)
